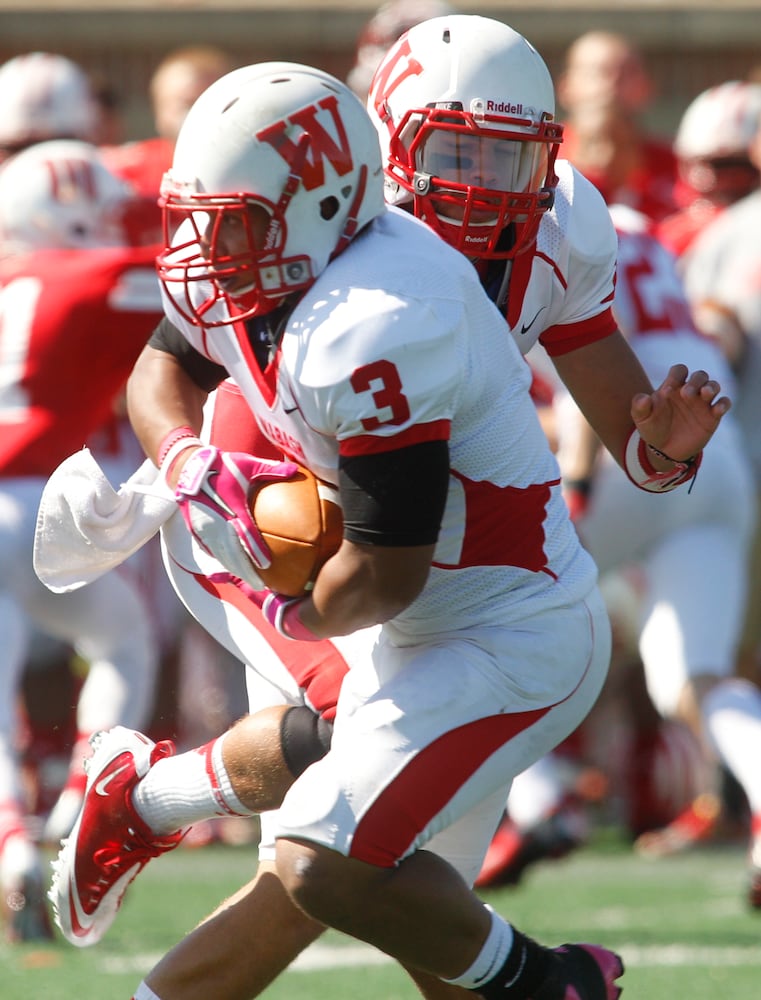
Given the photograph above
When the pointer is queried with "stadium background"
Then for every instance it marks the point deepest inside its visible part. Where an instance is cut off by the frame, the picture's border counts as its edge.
(688, 44)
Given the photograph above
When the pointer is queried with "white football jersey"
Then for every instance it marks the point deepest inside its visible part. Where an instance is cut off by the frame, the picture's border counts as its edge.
(561, 294)
(651, 307)
(396, 344)
(723, 269)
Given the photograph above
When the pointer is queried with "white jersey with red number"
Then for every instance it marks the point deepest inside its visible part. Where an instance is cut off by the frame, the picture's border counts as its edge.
(690, 610)
(651, 307)
(72, 323)
(411, 350)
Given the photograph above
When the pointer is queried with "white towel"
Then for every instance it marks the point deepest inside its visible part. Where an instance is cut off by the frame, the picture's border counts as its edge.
(85, 527)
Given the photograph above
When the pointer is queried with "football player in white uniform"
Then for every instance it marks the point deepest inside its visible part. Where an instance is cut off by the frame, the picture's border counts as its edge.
(374, 378)
(690, 614)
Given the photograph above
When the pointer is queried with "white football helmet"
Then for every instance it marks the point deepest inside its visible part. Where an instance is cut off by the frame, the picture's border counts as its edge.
(388, 22)
(44, 96)
(464, 107)
(285, 138)
(713, 139)
(59, 195)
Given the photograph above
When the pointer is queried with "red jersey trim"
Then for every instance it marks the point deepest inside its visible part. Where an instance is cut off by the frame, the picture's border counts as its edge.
(559, 339)
(266, 380)
(371, 444)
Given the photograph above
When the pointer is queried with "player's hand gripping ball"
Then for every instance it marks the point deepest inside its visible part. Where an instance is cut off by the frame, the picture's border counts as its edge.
(301, 522)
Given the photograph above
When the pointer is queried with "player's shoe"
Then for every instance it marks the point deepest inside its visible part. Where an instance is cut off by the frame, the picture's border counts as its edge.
(110, 844)
(695, 825)
(584, 972)
(24, 906)
(513, 850)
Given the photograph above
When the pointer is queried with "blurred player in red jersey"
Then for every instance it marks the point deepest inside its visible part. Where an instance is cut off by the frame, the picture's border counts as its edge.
(605, 71)
(76, 307)
(712, 145)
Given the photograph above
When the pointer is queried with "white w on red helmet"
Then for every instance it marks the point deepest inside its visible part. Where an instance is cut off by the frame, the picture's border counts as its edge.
(60, 195)
(464, 107)
(44, 96)
(277, 138)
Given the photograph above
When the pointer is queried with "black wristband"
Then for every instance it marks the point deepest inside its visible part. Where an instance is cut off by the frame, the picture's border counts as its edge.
(687, 462)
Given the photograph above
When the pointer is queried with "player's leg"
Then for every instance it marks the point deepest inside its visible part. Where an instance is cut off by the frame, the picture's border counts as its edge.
(693, 628)
(22, 899)
(239, 949)
(110, 625)
(352, 828)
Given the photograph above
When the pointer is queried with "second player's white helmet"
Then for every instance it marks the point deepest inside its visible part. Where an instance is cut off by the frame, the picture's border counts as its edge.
(464, 107)
(44, 96)
(277, 138)
(60, 195)
(714, 137)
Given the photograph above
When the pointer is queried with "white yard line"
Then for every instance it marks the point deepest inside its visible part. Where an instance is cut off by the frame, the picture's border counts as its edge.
(322, 956)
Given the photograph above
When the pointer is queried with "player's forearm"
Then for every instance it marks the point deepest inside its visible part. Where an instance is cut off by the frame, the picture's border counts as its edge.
(363, 586)
(606, 403)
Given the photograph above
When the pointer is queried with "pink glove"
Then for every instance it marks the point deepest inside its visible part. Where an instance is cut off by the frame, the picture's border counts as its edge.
(283, 615)
(212, 493)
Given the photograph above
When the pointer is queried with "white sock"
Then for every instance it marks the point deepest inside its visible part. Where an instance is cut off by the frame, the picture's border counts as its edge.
(180, 791)
(492, 956)
(732, 717)
(144, 992)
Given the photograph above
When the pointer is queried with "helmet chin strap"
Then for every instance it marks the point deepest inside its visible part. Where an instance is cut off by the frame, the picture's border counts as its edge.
(350, 228)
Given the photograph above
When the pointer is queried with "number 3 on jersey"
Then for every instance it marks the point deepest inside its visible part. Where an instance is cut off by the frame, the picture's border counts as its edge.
(381, 378)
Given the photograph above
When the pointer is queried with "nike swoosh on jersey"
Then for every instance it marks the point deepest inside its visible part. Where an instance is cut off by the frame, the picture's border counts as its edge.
(102, 785)
(525, 327)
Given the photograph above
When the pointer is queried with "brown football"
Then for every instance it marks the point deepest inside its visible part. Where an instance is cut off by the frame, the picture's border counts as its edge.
(300, 520)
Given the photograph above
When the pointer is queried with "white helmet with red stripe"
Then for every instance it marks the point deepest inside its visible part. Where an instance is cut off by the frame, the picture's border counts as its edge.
(59, 195)
(280, 141)
(464, 107)
(44, 96)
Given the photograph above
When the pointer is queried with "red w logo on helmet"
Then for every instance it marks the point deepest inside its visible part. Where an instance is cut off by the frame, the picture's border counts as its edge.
(71, 176)
(322, 145)
(398, 65)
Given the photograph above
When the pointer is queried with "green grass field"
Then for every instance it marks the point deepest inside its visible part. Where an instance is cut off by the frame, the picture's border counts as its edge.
(681, 925)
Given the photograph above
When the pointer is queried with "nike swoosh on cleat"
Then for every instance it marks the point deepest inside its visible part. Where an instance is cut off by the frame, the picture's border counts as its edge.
(525, 327)
(102, 785)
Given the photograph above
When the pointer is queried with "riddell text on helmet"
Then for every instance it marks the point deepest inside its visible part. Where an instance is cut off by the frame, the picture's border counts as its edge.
(506, 108)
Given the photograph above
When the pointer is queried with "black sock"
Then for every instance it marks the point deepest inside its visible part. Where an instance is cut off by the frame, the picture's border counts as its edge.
(527, 966)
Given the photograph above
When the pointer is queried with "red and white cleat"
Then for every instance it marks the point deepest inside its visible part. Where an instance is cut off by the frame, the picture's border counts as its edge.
(110, 844)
